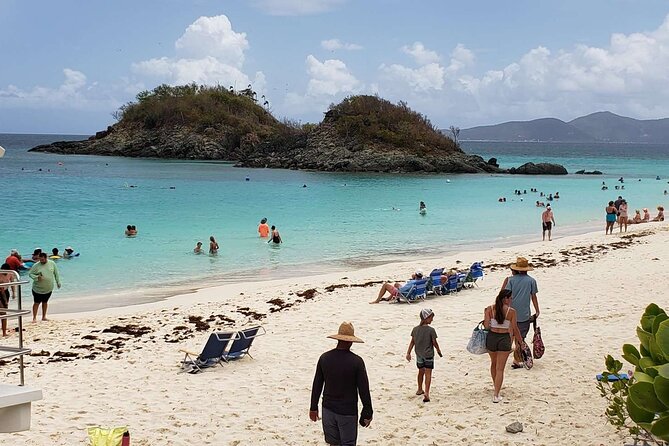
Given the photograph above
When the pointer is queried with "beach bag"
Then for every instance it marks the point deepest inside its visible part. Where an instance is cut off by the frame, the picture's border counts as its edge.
(537, 343)
(476, 344)
(523, 355)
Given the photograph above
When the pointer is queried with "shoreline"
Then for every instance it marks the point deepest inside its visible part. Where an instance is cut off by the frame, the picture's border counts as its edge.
(140, 295)
(200, 294)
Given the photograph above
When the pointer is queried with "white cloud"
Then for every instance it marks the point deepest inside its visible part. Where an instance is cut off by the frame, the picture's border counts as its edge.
(209, 52)
(422, 79)
(296, 7)
(421, 55)
(628, 76)
(74, 93)
(329, 81)
(213, 37)
(330, 77)
(429, 75)
(336, 44)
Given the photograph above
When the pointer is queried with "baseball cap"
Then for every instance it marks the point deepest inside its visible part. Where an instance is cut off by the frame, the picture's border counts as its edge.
(425, 313)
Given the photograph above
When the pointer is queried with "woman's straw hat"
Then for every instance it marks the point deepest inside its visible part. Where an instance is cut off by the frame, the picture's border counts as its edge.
(521, 265)
(346, 333)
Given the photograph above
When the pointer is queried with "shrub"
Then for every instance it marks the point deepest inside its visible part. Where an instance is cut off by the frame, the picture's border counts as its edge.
(641, 404)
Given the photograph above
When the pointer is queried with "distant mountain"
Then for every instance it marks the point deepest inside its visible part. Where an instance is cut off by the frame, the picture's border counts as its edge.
(595, 127)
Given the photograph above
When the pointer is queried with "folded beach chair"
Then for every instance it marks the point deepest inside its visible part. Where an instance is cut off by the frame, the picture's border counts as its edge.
(411, 293)
(212, 352)
(434, 283)
(242, 344)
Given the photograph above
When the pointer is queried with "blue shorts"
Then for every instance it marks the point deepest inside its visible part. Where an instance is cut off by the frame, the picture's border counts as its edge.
(424, 363)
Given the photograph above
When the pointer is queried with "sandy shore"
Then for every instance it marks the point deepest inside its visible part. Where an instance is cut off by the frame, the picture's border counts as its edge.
(592, 291)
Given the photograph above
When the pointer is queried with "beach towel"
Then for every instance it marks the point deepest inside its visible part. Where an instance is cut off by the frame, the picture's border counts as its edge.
(476, 344)
(101, 436)
(538, 347)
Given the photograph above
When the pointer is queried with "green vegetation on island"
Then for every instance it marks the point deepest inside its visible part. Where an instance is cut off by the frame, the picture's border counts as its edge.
(359, 134)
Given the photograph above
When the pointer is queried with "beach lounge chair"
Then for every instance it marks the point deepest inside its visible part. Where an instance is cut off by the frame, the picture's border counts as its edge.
(434, 283)
(412, 292)
(242, 344)
(212, 352)
(475, 273)
(451, 285)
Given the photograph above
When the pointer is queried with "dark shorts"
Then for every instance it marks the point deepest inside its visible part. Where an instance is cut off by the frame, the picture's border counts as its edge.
(40, 298)
(424, 363)
(4, 298)
(524, 327)
(547, 225)
(498, 342)
(340, 429)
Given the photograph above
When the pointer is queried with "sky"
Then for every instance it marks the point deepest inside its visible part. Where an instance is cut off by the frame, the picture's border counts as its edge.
(66, 66)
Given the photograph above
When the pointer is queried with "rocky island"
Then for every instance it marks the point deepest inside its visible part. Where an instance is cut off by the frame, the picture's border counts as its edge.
(360, 134)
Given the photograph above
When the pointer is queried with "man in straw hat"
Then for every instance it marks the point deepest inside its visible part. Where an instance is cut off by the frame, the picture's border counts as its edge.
(523, 289)
(344, 375)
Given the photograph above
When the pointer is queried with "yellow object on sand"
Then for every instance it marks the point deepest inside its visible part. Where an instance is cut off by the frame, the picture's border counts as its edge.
(100, 436)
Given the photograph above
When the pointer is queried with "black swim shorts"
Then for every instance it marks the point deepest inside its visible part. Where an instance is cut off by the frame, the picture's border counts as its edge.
(498, 342)
(40, 298)
(547, 225)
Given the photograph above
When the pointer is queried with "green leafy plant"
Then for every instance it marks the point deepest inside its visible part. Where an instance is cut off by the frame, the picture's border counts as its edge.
(641, 404)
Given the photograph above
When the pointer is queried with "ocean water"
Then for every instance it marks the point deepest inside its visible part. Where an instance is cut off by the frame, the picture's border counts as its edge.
(337, 221)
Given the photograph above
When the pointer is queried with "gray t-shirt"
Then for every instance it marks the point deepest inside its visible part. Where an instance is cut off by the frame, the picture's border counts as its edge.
(522, 287)
(423, 336)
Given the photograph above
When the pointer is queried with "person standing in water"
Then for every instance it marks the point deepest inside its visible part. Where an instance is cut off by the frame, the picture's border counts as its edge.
(422, 209)
(213, 245)
(263, 228)
(276, 237)
(198, 248)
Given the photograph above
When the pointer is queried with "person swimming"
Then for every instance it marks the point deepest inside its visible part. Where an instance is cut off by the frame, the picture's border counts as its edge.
(276, 237)
(54, 254)
(213, 245)
(198, 248)
(263, 228)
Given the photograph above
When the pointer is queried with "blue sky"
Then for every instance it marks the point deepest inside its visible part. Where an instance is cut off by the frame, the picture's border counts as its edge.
(68, 65)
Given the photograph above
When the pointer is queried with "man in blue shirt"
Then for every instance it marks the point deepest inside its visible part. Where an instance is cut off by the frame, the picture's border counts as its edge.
(523, 290)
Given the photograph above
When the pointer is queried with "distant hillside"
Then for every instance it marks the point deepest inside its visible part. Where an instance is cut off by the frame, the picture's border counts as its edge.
(545, 129)
(596, 127)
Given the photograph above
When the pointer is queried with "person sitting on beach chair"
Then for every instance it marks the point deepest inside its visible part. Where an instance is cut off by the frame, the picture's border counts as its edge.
(394, 289)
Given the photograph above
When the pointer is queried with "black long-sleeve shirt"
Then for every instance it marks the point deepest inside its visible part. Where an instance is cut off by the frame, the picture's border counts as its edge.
(344, 375)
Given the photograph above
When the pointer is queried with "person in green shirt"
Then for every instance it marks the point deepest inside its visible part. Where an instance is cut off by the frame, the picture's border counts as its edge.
(44, 274)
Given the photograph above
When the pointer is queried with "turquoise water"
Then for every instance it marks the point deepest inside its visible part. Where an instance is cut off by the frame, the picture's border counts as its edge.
(338, 220)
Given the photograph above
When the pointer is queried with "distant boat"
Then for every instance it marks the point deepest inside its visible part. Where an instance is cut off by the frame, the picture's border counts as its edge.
(2, 152)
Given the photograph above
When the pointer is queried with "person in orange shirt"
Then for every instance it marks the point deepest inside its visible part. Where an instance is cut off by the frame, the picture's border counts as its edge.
(263, 228)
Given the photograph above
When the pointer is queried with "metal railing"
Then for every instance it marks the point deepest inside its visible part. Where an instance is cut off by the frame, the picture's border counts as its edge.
(18, 313)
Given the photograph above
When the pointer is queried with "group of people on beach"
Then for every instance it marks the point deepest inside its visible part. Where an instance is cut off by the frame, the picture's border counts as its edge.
(617, 211)
(341, 375)
(43, 272)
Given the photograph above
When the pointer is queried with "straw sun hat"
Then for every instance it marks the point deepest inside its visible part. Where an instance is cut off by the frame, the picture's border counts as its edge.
(346, 333)
(521, 265)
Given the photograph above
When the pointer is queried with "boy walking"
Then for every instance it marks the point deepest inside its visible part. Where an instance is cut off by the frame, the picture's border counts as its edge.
(424, 339)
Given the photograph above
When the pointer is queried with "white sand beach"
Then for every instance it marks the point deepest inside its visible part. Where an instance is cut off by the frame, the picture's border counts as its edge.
(592, 291)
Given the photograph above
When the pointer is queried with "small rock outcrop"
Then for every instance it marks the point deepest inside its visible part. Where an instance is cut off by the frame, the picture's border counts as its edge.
(539, 169)
(586, 172)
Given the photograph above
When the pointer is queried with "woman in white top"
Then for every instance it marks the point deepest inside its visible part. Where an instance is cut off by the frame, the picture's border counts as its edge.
(622, 216)
(500, 320)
